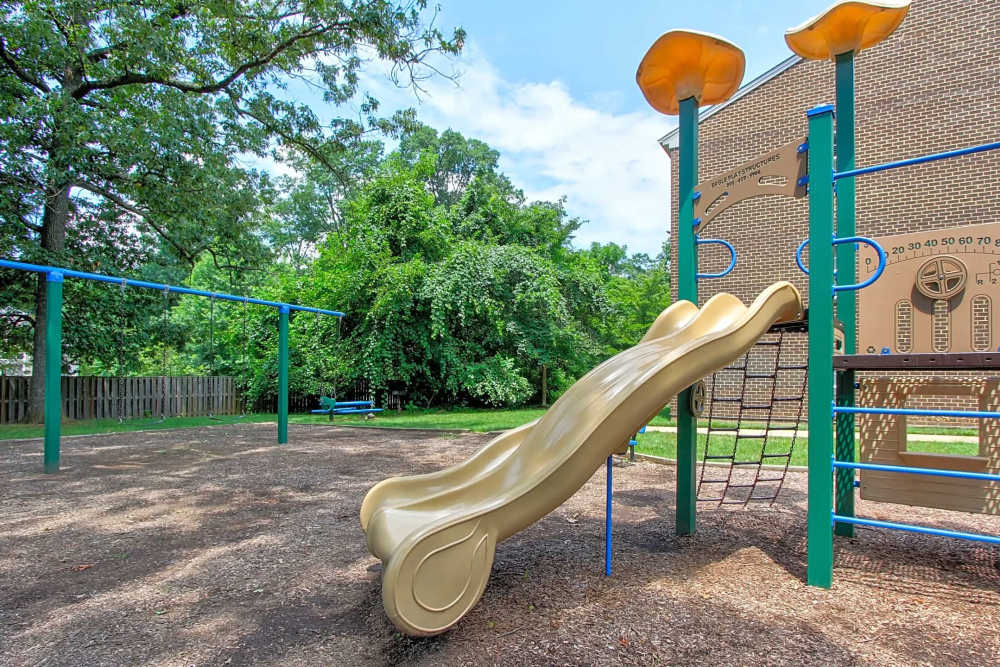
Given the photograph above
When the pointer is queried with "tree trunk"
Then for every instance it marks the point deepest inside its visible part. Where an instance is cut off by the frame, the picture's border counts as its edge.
(545, 386)
(55, 217)
(53, 241)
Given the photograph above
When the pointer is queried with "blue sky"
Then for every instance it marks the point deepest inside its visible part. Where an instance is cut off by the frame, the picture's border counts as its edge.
(551, 85)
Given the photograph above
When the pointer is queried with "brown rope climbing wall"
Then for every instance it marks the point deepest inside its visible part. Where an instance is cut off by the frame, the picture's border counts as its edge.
(753, 431)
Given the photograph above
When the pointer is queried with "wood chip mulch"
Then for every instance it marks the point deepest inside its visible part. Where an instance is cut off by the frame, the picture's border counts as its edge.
(214, 546)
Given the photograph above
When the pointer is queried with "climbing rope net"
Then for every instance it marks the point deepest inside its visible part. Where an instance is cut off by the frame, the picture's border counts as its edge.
(754, 420)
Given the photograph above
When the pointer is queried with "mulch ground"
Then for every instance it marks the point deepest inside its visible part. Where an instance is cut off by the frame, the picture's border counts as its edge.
(215, 546)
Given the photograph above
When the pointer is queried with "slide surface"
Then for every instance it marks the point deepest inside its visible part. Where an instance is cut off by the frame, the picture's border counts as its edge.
(436, 534)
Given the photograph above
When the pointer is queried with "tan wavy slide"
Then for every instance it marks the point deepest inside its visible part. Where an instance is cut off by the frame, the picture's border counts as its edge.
(436, 533)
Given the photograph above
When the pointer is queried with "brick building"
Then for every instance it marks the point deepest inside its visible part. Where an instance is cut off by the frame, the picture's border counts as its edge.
(933, 85)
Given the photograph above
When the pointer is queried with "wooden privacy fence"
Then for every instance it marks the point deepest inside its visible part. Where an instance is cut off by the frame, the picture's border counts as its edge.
(98, 397)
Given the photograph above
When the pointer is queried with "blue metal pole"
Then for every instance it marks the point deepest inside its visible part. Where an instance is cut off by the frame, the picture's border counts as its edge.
(607, 526)
(933, 472)
(69, 273)
(938, 532)
(967, 414)
(917, 160)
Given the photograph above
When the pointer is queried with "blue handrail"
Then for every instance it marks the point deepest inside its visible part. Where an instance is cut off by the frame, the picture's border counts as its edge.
(882, 257)
(966, 414)
(910, 470)
(732, 257)
(916, 160)
(938, 532)
(70, 273)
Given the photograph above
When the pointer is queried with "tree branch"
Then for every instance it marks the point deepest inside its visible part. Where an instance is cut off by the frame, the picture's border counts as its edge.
(20, 73)
(214, 87)
(29, 225)
(133, 209)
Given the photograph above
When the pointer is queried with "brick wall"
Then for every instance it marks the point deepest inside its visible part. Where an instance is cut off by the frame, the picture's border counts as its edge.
(932, 86)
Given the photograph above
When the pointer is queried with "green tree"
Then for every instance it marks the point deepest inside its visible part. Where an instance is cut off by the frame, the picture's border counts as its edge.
(456, 160)
(465, 302)
(309, 209)
(145, 107)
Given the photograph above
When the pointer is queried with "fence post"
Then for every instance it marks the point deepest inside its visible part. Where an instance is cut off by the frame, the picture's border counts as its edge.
(283, 374)
(53, 368)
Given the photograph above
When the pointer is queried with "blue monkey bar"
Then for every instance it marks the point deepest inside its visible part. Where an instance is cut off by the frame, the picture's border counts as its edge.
(116, 280)
(54, 276)
(933, 157)
(933, 472)
(924, 530)
(967, 414)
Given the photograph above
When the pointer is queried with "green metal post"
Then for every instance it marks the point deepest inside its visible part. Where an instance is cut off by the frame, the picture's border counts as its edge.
(283, 375)
(819, 571)
(53, 369)
(846, 275)
(687, 288)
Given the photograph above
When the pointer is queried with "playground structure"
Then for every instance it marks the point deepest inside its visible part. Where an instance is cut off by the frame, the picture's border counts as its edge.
(436, 534)
(55, 276)
(801, 169)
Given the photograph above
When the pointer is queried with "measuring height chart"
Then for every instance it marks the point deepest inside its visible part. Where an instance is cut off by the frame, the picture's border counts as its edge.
(938, 294)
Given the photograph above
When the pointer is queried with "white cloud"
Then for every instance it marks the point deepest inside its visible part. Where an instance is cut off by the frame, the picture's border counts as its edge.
(607, 164)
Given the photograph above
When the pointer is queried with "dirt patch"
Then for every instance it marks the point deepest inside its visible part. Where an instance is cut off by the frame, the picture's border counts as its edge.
(216, 546)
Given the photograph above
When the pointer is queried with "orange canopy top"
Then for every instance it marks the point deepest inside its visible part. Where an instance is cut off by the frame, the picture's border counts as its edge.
(686, 63)
(848, 25)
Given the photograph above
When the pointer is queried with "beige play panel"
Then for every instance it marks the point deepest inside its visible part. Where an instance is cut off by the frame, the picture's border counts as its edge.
(780, 172)
(883, 440)
(938, 293)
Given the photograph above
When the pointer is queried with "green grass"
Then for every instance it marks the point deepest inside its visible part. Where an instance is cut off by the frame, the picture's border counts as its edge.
(467, 419)
(657, 444)
(665, 445)
(460, 419)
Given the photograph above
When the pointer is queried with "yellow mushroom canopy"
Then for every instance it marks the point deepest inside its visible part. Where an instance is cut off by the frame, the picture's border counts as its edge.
(686, 63)
(848, 25)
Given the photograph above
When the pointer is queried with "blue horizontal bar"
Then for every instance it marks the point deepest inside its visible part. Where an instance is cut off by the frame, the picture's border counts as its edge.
(933, 472)
(101, 278)
(939, 532)
(967, 414)
(917, 160)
